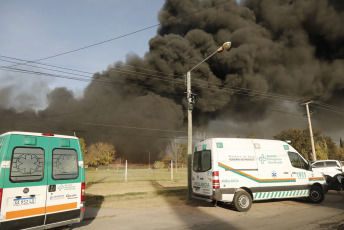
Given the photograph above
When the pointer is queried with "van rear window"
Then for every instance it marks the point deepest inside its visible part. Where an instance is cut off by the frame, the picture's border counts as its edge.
(202, 161)
(27, 164)
(65, 164)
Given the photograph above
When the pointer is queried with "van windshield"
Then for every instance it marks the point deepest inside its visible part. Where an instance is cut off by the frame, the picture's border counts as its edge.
(202, 161)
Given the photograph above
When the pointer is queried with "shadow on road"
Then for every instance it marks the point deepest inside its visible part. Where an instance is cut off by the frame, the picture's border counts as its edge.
(194, 214)
(93, 204)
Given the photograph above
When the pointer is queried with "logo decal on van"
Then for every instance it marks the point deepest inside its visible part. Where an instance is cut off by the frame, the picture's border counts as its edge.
(262, 159)
(66, 187)
(271, 159)
(57, 197)
(27, 163)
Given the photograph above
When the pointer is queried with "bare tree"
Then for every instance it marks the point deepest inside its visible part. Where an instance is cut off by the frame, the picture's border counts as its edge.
(175, 151)
(201, 135)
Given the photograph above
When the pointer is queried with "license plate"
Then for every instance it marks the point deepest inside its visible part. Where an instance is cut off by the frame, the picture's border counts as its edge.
(196, 188)
(24, 201)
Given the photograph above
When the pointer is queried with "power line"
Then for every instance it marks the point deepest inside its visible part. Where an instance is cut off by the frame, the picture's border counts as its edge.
(74, 70)
(40, 68)
(116, 69)
(94, 80)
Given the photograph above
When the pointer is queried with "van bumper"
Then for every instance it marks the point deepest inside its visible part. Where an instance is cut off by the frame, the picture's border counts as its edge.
(201, 197)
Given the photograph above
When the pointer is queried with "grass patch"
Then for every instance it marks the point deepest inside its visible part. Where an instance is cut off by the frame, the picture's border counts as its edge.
(144, 189)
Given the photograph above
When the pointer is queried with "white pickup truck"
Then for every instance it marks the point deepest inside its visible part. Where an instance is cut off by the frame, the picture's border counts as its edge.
(333, 172)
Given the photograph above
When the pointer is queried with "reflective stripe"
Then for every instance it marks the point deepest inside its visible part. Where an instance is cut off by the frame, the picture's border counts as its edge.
(281, 194)
(61, 207)
(40, 211)
(24, 213)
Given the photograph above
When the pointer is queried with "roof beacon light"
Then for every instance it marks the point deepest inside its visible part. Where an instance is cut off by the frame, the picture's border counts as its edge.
(47, 134)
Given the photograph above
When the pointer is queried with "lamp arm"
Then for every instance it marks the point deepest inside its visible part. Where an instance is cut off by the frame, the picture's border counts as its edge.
(203, 61)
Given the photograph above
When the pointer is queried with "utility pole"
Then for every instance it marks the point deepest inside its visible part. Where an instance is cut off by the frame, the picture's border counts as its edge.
(148, 159)
(191, 101)
(171, 170)
(190, 107)
(310, 129)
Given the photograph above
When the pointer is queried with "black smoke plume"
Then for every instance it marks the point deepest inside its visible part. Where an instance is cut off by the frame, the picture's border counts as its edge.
(285, 47)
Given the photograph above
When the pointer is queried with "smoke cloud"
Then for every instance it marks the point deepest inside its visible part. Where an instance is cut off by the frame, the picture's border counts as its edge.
(287, 47)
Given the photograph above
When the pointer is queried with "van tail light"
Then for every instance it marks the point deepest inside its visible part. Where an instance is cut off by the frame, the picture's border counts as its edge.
(0, 197)
(82, 191)
(216, 180)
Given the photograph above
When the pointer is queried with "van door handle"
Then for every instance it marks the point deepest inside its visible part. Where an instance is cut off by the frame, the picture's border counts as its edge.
(18, 197)
(201, 178)
(52, 188)
(294, 173)
(32, 195)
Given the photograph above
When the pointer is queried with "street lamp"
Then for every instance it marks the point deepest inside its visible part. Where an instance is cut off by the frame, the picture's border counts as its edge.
(148, 159)
(191, 101)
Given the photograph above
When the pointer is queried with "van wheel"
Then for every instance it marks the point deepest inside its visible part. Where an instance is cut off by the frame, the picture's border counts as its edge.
(316, 194)
(242, 201)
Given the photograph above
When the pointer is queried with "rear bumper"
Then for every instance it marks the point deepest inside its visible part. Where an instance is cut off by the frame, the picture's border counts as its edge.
(201, 197)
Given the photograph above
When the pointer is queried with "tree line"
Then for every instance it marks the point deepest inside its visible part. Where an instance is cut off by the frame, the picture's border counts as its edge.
(325, 147)
(102, 153)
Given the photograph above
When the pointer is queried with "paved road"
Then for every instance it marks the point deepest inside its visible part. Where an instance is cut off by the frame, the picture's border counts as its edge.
(282, 214)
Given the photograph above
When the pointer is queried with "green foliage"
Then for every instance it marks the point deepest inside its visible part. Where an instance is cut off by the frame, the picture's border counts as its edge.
(341, 153)
(325, 148)
(99, 153)
(83, 146)
(298, 139)
(321, 151)
(251, 135)
(159, 165)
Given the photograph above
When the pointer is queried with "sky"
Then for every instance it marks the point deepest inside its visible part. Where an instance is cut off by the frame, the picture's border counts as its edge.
(31, 30)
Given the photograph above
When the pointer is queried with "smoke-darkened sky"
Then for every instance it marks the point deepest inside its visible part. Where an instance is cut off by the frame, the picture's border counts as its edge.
(283, 53)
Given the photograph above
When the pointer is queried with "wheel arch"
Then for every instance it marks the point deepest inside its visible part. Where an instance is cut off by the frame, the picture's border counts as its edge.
(317, 184)
(245, 189)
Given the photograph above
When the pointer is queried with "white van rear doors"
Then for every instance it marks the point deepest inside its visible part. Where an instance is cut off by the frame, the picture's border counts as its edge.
(64, 181)
(202, 182)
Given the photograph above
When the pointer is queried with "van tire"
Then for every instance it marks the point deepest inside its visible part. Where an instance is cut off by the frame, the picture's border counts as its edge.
(242, 201)
(316, 194)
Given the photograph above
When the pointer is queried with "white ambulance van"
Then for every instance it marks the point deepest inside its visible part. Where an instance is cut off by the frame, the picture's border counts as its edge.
(42, 181)
(240, 171)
